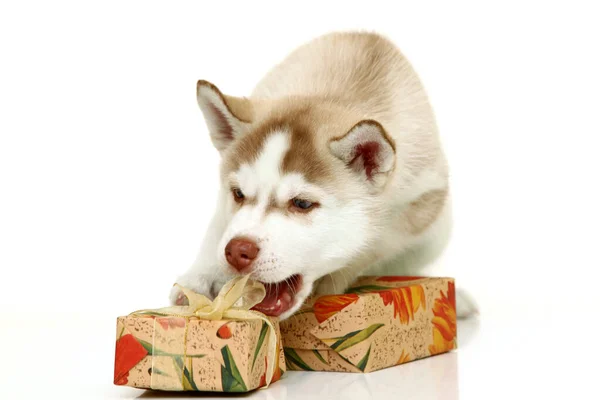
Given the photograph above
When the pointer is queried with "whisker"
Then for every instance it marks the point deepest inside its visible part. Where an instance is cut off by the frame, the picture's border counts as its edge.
(294, 278)
(290, 287)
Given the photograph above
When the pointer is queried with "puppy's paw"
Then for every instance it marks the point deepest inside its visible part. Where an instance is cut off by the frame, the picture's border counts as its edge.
(197, 283)
(466, 306)
(177, 298)
(329, 284)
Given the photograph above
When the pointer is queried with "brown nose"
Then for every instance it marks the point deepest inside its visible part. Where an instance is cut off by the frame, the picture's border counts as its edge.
(240, 253)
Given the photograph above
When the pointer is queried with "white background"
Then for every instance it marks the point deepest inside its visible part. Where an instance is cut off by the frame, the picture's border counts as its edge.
(108, 179)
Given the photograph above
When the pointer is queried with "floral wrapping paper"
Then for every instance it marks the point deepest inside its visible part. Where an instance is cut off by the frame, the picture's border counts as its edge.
(379, 322)
(175, 354)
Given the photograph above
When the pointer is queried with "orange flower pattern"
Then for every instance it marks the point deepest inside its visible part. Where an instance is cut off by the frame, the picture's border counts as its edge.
(444, 322)
(406, 301)
(263, 377)
(327, 306)
(276, 374)
(404, 358)
(390, 304)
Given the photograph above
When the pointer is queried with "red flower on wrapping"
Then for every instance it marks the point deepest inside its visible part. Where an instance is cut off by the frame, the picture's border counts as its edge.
(406, 301)
(397, 278)
(122, 380)
(224, 332)
(327, 306)
(128, 353)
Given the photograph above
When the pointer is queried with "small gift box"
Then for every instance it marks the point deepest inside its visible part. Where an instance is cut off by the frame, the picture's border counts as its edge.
(218, 346)
(379, 322)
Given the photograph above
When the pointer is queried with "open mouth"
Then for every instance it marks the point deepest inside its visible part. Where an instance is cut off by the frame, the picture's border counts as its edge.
(280, 297)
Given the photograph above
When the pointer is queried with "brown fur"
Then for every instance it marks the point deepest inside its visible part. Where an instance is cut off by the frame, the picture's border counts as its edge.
(308, 153)
(240, 107)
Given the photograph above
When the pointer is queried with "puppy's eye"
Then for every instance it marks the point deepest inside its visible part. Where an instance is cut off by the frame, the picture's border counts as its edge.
(238, 195)
(302, 205)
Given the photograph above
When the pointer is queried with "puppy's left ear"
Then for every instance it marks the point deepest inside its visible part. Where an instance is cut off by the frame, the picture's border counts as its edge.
(227, 117)
(368, 151)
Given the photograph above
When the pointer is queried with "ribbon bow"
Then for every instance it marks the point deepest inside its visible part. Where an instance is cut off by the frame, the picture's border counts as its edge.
(233, 302)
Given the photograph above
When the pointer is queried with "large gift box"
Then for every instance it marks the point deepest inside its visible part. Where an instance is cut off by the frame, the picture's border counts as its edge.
(379, 322)
(205, 346)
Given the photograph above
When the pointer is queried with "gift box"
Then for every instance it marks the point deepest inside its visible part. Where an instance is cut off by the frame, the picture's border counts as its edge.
(378, 323)
(205, 346)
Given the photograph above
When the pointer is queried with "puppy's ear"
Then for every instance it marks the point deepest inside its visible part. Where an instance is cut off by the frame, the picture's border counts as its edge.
(368, 151)
(227, 117)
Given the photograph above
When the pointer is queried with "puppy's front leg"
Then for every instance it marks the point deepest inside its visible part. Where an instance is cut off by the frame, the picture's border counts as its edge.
(204, 276)
(336, 282)
(199, 283)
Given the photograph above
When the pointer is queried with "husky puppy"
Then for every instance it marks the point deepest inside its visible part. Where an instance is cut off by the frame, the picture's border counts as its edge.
(332, 168)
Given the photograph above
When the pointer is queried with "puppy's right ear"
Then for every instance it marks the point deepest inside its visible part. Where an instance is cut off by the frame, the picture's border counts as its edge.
(227, 117)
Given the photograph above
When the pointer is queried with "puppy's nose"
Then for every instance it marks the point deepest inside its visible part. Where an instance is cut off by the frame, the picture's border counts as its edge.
(240, 253)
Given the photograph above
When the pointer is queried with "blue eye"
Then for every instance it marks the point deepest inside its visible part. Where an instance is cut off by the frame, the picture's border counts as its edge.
(302, 204)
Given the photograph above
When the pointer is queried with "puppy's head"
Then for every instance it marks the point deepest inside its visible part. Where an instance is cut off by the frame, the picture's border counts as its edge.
(300, 186)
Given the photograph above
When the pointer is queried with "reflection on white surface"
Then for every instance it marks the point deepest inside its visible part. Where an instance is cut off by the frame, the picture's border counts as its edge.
(430, 378)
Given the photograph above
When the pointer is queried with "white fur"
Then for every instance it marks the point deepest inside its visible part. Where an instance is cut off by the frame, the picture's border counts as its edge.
(288, 245)
(259, 179)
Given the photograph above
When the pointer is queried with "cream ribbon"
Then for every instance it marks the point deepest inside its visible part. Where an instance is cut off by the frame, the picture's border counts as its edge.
(233, 302)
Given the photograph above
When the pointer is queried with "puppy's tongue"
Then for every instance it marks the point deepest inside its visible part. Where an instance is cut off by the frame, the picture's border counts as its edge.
(280, 296)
